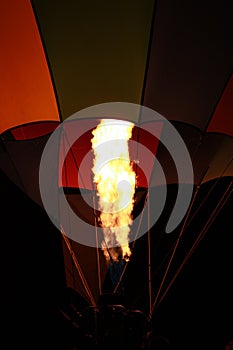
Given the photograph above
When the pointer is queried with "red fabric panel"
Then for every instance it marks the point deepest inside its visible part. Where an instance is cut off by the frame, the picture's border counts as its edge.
(26, 91)
(144, 160)
(222, 120)
(31, 131)
(70, 174)
(76, 171)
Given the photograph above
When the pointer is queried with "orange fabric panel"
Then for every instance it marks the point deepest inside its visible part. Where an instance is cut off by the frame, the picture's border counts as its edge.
(26, 90)
(222, 120)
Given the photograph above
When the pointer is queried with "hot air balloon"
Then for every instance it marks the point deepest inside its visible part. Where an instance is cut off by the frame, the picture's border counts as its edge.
(167, 69)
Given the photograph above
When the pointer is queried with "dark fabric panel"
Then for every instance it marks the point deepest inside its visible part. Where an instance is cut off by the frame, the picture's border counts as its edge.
(191, 137)
(213, 159)
(222, 120)
(190, 59)
(20, 160)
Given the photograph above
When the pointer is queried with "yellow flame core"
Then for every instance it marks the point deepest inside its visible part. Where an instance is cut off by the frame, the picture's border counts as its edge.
(115, 182)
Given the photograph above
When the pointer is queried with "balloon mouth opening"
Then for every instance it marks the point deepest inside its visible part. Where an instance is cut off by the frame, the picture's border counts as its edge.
(91, 214)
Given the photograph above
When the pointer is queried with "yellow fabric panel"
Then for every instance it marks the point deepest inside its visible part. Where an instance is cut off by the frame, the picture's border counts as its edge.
(97, 50)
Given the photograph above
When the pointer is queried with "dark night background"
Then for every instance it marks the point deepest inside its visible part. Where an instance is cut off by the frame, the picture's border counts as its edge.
(196, 313)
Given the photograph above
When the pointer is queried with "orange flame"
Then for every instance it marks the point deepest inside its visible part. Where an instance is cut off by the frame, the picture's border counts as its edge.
(115, 183)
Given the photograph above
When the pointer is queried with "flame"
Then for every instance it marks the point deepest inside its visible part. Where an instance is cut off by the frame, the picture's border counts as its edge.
(115, 183)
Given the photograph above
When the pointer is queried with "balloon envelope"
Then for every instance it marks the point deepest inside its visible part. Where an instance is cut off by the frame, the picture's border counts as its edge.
(60, 58)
